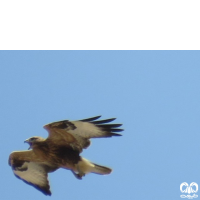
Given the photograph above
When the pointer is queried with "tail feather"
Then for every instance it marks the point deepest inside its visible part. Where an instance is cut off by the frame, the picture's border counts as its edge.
(98, 169)
(84, 166)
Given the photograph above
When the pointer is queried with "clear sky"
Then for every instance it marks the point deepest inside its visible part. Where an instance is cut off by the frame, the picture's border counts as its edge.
(155, 94)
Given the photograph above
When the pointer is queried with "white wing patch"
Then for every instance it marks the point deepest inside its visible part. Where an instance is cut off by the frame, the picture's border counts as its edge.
(35, 175)
(86, 130)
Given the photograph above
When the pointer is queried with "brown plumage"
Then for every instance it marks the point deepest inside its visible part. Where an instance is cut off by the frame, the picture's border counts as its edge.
(61, 149)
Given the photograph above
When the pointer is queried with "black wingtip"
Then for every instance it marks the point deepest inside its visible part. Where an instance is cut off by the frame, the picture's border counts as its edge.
(104, 121)
(108, 129)
(90, 119)
(115, 134)
(117, 129)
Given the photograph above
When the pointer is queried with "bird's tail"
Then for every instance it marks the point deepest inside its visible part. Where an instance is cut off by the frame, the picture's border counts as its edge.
(98, 169)
(85, 166)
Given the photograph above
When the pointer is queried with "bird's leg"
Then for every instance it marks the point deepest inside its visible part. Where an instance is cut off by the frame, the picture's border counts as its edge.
(76, 175)
(80, 173)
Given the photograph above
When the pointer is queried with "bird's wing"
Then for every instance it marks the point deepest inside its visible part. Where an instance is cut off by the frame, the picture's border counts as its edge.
(77, 133)
(34, 174)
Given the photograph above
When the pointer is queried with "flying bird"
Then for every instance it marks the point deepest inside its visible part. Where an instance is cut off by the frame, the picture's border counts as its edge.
(61, 149)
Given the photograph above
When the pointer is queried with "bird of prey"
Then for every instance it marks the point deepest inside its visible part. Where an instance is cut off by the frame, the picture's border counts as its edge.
(61, 149)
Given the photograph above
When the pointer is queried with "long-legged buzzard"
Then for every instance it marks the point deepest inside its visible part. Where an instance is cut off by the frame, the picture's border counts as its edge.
(61, 149)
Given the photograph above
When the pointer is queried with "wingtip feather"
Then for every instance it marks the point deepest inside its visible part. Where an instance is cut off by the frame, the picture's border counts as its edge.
(115, 134)
(104, 121)
(90, 119)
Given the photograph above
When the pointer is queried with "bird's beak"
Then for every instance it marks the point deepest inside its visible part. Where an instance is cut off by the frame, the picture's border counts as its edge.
(26, 141)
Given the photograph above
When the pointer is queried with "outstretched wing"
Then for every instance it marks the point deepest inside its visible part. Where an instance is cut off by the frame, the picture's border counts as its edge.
(77, 133)
(33, 174)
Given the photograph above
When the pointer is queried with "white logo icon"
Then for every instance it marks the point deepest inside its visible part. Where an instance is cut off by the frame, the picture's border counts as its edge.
(192, 188)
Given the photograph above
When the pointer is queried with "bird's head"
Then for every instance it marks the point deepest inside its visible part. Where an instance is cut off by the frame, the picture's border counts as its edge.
(34, 140)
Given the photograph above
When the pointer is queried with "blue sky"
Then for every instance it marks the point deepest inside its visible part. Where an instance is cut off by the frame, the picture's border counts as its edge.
(155, 94)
